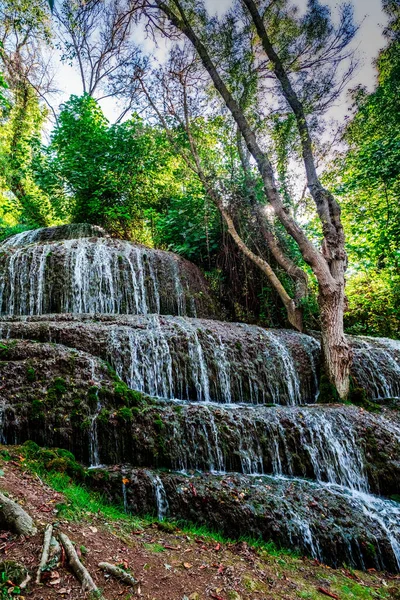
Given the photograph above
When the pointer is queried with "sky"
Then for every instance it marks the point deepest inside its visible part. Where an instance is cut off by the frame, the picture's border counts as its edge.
(369, 41)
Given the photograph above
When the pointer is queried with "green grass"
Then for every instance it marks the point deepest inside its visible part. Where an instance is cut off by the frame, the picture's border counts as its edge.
(84, 503)
(154, 547)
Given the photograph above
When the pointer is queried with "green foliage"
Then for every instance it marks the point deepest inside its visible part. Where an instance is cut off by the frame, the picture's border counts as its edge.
(109, 172)
(20, 142)
(11, 575)
(367, 177)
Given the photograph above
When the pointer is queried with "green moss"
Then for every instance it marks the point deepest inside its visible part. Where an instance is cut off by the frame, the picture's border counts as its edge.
(154, 547)
(125, 413)
(66, 465)
(5, 455)
(4, 350)
(37, 410)
(45, 456)
(126, 396)
(104, 416)
(93, 396)
(30, 374)
(57, 390)
(85, 424)
(158, 423)
(327, 391)
(358, 396)
(30, 449)
(65, 454)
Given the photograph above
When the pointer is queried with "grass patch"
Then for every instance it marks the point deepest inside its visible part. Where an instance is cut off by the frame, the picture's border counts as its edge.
(154, 547)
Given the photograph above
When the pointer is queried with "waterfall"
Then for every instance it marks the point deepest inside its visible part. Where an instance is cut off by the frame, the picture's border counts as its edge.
(94, 275)
(377, 366)
(94, 456)
(21, 239)
(187, 359)
(237, 401)
(384, 513)
(333, 450)
(46, 234)
(287, 366)
(312, 442)
(159, 494)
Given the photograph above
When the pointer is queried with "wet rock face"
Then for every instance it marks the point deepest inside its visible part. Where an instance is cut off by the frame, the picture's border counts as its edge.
(202, 360)
(112, 383)
(376, 366)
(189, 359)
(293, 513)
(61, 397)
(50, 394)
(96, 274)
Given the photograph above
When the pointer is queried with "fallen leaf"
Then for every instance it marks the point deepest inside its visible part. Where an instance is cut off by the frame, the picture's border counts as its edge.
(187, 565)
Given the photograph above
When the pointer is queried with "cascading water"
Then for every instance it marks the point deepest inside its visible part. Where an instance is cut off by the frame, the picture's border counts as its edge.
(47, 234)
(377, 366)
(159, 494)
(95, 275)
(94, 447)
(225, 438)
(186, 359)
(212, 380)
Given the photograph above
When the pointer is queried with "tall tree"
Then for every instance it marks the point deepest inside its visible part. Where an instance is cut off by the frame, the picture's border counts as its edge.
(367, 179)
(176, 97)
(315, 55)
(109, 172)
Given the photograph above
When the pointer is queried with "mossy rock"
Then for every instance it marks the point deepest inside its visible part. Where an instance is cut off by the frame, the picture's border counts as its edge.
(31, 449)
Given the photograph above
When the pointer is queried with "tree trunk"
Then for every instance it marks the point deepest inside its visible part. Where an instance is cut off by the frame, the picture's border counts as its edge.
(337, 354)
(14, 518)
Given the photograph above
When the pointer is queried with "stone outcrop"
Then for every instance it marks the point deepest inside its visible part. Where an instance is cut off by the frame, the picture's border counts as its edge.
(332, 523)
(229, 412)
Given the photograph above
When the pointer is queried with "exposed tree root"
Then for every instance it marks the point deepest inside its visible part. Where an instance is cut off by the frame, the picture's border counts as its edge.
(48, 532)
(14, 518)
(118, 573)
(80, 572)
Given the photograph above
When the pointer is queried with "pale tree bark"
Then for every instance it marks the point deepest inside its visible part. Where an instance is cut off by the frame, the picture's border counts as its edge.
(332, 302)
(79, 570)
(14, 518)
(328, 265)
